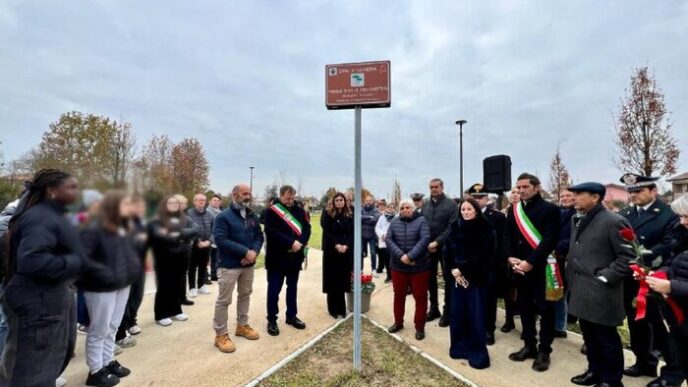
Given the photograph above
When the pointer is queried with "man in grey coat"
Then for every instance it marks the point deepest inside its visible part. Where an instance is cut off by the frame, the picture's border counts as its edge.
(598, 263)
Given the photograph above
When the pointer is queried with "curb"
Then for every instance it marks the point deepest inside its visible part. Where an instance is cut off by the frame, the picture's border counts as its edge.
(424, 354)
(254, 382)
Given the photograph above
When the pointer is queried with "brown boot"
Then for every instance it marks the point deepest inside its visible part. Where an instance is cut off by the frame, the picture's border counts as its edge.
(224, 343)
(247, 332)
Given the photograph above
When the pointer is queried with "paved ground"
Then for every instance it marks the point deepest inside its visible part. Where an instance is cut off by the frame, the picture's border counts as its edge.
(183, 354)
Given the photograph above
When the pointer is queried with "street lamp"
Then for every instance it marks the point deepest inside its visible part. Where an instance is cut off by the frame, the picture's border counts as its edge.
(461, 124)
(251, 187)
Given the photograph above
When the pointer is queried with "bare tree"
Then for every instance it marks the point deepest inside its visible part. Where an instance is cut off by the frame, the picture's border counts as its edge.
(396, 192)
(122, 153)
(643, 135)
(558, 175)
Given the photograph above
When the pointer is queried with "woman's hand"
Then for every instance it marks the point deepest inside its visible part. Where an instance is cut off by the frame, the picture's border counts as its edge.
(456, 272)
(405, 259)
(659, 285)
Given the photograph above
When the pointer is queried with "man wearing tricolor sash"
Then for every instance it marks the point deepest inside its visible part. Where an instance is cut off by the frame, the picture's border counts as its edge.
(597, 266)
(532, 230)
(287, 231)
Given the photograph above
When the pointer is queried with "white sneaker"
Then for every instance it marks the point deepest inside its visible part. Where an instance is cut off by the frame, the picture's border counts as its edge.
(166, 322)
(135, 330)
(204, 290)
(181, 317)
(60, 382)
(193, 293)
(118, 350)
(83, 329)
(127, 342)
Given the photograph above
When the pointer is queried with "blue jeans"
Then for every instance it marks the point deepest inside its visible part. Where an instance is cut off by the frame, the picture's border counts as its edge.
(561, 312)
(372, 244)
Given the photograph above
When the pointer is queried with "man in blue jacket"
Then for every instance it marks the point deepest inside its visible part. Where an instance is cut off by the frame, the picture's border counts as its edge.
(238, 238)
(287, 230)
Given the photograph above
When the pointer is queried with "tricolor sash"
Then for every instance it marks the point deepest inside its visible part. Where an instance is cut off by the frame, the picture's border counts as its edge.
(287, 217)
(554, 289)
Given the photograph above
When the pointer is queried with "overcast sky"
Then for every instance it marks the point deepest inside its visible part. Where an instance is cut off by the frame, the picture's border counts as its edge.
(247, 79)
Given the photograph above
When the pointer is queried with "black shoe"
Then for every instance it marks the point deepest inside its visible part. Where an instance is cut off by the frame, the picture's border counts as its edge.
(394, 328)
(605, 384)
(584, 349)
(273, 329)
(659, 382)
(420, 335)
(296, 323)
(508, 326)
(213, 278)
(541, 362)
(560, 334)
(208, 282)
(636, 370)
(187, 302)
(523, 354)
(585, 379)
(433, 314)
(102, 378)
(444, 321)
(116, 369)
(490, 338)
(388, 280)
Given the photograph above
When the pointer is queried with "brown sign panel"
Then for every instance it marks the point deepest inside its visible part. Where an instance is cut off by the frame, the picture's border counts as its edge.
(350, 85)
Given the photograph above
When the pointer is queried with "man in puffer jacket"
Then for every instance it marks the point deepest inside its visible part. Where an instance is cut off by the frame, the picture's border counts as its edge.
(407, 241)
(239, 239)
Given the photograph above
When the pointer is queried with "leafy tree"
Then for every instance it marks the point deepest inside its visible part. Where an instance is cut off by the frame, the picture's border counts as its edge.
(154, 165)
(644, 141)
(189, 167)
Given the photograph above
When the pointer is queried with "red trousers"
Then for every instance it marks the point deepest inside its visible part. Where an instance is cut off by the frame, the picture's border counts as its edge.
(419, 288)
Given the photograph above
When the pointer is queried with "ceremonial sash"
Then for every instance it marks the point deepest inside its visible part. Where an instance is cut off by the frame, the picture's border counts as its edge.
(287, 217)
(641, 300)
(554, 290)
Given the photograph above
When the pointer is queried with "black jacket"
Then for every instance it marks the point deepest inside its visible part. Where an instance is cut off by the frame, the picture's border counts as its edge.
(47, 248)
(337, 230)
(279, 237)
(177, 241)
(440, 214)
(112, 262)
(564, 232)
(470, 246)
(654, 229)
(545, 218)
(498, 221)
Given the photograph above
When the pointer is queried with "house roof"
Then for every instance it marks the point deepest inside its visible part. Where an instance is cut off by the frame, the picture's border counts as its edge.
(683, 176)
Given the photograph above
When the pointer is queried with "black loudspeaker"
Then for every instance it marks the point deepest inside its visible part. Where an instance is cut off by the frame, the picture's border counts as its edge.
(497, 173)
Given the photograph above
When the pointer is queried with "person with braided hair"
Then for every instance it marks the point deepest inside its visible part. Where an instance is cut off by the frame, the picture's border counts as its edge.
(45, 257)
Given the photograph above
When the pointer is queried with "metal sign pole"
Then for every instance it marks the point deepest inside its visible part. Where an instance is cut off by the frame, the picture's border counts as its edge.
(357, 243)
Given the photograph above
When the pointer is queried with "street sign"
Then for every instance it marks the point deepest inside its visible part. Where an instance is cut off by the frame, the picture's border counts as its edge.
(351, 85)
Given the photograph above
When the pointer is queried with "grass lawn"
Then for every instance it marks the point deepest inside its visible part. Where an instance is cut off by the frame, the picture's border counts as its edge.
(386, 362)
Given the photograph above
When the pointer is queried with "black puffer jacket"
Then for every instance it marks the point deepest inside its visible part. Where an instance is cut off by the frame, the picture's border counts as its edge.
(409, 236)
(112, 261)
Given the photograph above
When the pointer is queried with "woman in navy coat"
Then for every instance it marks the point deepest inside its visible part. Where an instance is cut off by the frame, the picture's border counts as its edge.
(469, 247)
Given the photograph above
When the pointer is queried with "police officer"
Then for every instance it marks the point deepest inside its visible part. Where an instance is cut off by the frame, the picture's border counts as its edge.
(497, 281)
(653, 222)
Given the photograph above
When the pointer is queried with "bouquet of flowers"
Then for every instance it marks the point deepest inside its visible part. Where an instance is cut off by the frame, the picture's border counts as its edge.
(641, 271)
(367, 284)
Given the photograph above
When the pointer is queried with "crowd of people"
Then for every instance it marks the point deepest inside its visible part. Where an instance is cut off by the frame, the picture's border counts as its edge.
(551, 264)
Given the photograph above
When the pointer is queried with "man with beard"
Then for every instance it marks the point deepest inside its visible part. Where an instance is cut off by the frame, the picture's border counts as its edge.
(238, 238)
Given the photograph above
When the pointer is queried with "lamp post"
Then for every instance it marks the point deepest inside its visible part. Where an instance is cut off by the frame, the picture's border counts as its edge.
(461, 124)
(251, 186)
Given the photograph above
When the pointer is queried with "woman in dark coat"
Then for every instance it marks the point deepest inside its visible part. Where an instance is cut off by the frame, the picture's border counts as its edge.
(44, 261)
(676, 286)
(337, 243)
(112, 265)
(407, 242)
(170, 235)
(469, 247)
